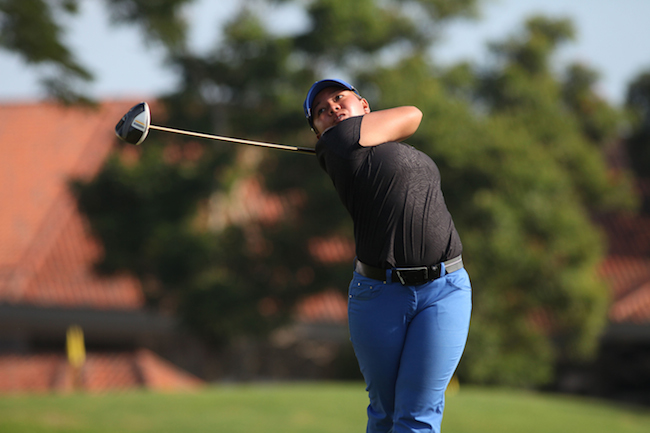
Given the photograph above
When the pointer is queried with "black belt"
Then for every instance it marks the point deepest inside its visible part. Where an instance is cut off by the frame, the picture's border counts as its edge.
(411, 276)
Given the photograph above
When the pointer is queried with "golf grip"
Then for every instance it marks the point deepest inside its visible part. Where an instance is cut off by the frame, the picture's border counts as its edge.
(236, 140)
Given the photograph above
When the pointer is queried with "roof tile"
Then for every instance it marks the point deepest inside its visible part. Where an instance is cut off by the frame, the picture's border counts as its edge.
(626, 268)
(46, 251)
(101, 372)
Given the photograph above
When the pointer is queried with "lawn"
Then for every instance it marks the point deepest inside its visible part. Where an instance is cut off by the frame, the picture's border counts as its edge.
(305, 408)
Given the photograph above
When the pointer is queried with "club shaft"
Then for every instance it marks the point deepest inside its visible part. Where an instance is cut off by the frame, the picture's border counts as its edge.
(235, 140)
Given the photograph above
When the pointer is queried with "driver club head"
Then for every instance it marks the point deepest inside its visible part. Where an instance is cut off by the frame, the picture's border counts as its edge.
(134, 126)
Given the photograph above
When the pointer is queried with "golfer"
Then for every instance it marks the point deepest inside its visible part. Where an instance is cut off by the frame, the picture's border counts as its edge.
(409, 300)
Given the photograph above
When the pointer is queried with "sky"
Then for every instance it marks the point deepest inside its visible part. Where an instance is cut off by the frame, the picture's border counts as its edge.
(611, 37)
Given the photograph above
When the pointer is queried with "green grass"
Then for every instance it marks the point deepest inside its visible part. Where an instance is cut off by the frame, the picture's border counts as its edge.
(304, 408)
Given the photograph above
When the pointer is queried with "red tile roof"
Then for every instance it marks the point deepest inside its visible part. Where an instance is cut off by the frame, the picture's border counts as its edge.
(329, 306)
(334, 249)
(46, 252)
(101, 372)
(633, 308)
(627, 266)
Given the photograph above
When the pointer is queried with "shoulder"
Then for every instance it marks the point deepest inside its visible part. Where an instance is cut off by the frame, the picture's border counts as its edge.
(348, 129)
(342, 138)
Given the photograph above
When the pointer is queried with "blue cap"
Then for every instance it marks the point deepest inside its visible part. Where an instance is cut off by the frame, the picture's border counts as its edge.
(315, 90)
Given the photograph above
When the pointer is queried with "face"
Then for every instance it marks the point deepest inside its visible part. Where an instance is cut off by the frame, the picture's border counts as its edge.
(334, 104)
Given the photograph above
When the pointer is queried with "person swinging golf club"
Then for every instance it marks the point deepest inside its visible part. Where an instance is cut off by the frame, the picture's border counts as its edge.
(409, 301)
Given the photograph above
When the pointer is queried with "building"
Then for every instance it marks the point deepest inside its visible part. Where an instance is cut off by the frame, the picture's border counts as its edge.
(47, 283)
(622, 368)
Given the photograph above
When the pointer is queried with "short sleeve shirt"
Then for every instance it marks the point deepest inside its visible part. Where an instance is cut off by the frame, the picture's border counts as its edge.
(392, 191)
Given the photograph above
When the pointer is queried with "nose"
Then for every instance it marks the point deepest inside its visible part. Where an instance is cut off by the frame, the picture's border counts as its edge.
(334, 107)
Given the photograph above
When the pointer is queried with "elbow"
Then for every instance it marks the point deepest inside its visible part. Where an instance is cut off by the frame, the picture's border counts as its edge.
(417, 117)
(413, 123)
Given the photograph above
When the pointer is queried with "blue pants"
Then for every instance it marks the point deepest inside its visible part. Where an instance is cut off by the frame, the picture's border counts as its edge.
(408, 341)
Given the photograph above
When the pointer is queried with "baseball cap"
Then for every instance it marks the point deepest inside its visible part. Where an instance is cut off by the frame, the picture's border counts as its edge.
(315, 90)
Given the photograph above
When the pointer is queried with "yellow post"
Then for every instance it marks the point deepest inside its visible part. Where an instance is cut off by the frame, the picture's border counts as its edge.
(76, 351)
(454, 386)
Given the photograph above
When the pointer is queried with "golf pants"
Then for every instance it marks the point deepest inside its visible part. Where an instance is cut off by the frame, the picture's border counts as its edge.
(408, 341)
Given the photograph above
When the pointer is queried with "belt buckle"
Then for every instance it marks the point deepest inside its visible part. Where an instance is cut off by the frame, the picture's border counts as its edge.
(412, 276)
(435, 271)
(418, 275)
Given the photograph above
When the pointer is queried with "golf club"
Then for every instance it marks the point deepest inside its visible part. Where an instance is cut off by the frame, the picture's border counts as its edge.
(136, 123)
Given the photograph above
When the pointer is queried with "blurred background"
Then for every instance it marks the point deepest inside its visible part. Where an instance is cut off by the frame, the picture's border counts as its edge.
(185, 262)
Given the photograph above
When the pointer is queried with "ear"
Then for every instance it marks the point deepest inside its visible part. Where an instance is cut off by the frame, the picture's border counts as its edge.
(366, 105)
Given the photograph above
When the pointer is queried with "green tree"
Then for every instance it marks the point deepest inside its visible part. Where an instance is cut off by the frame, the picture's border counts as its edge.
(33, 29)
(519, 149)
(531, 174)
(638, 141)
(252, 273)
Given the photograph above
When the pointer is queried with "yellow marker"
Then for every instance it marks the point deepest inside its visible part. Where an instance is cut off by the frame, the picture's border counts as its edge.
(454, 386)
(75, 346)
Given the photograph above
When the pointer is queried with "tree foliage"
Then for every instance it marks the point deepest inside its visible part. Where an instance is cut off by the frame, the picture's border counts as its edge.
(531, 176)
(638, 142)
(33, 29)
(519, 149)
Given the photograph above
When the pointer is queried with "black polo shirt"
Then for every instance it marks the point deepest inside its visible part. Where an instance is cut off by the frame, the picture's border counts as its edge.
(392, 191)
